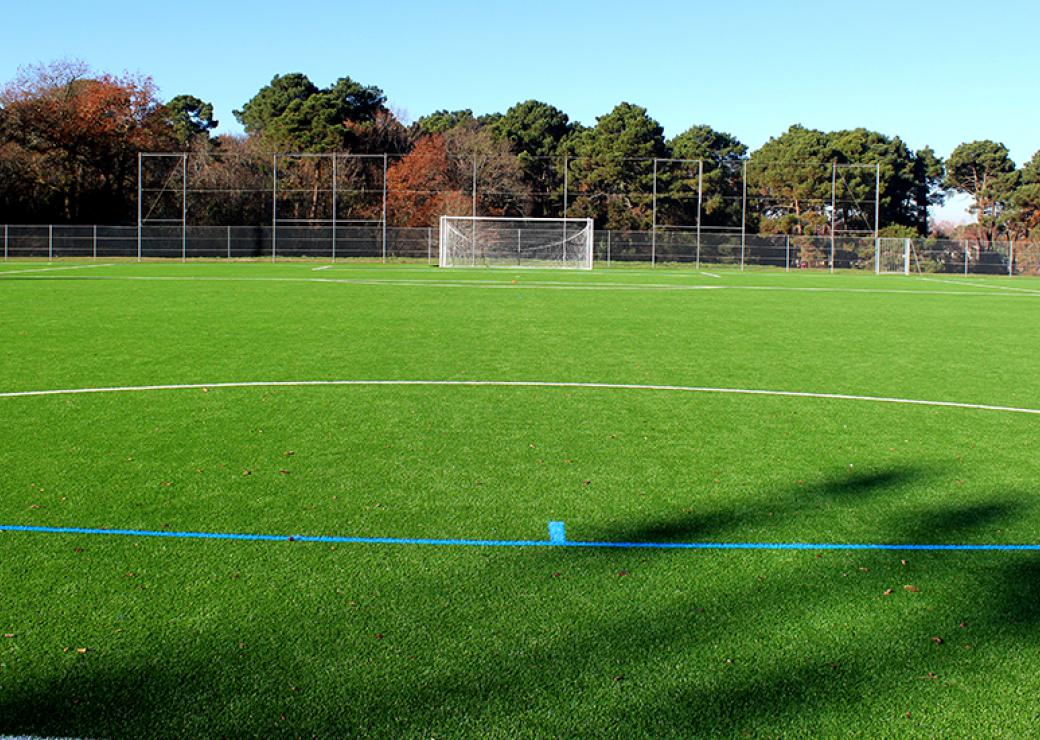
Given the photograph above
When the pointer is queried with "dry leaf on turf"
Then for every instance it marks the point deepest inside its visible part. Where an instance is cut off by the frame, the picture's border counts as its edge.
(912, 588)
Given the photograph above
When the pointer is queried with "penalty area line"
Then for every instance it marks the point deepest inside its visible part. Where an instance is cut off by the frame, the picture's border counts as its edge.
(557, 538)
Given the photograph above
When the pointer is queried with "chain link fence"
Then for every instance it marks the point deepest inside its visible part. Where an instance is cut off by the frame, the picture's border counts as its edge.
(373, 241)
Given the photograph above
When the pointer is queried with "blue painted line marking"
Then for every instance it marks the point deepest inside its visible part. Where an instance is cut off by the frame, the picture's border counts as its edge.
(557, 538)
(557, 533)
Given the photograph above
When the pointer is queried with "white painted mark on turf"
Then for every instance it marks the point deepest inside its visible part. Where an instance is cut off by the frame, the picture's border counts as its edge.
(982, 285)
(521, 384)
(319, 269)
(48, 269)
(530, 285)
(711, 274)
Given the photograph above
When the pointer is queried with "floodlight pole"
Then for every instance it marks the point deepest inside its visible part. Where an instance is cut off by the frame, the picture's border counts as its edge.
(274, 208)
(834, 212)
(700, 192)
(139, 211)
(743, 216)
(653, 227)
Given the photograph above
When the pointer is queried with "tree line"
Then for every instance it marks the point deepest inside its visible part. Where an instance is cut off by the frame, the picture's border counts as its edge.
(69, 140)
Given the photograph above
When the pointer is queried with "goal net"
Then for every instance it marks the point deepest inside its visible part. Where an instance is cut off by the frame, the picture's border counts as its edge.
(893, 256)
(467, 241)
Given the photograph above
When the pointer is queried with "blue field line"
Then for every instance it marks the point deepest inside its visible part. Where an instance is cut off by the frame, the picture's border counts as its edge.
(557, 538)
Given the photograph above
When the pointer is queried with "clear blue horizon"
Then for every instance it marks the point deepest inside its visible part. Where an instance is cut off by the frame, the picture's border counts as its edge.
(922, 71)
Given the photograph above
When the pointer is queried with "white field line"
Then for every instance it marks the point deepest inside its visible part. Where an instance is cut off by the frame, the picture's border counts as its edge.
(530, 285)
(521, 384)
(319, 269)
(47, 269)
(711, 274)
(982, 285)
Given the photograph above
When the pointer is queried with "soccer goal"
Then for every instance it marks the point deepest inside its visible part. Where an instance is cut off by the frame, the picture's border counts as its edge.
(893, 256)
(467, 241)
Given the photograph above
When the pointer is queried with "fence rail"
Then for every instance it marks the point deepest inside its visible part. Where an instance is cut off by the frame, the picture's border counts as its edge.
(374, 241)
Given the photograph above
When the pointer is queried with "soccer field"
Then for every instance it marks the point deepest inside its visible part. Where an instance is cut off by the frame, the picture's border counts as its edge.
(794, 503)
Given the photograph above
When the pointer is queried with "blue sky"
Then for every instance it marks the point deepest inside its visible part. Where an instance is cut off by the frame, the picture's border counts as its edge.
(933, 72)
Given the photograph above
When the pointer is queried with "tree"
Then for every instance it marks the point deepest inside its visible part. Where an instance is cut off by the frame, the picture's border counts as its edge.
(789, 181)
(1024, 217)
(722, 157)
(440, 121)
(423, 185)
(291, 113)
(536, 131)
(500, 186)
(71, 138)
(613, 169)
(189, 118)
(983, 170)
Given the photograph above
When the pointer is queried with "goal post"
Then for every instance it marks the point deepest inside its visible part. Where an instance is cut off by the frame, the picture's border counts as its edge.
(484, 241)
(893, 256)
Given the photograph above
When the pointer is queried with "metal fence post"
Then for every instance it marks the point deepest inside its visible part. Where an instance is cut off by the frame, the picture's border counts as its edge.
(94, 242)
(229, 242)
(50, 242)
(608, 247)
(787, 252)
(429, 245)
(965, 258)
(1011, 256)
(5, 242)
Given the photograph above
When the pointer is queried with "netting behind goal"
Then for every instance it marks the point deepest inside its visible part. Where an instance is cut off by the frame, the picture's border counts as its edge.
(516, 242)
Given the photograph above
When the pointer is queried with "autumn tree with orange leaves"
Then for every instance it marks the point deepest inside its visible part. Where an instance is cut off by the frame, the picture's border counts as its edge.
(69, 141)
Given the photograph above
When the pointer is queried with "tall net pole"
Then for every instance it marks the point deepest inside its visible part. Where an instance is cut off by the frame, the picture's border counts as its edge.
(653, 223)
(184, 208)
(334, 158)
(140, 204)
(877, 217)
(743, 215)
(700, 192)
(834, 180)
(384, 207)
(274, 208)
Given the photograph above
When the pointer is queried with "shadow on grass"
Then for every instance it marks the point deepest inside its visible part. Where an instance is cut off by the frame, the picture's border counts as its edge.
(794, 503)
(704, 650)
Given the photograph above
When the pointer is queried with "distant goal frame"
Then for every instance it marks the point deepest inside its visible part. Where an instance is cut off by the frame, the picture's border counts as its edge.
(585, 262)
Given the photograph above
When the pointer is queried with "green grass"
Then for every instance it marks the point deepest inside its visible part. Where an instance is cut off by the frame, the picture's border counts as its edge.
(192, 637)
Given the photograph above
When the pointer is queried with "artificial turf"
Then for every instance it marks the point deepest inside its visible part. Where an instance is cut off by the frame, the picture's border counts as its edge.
(107, 636)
